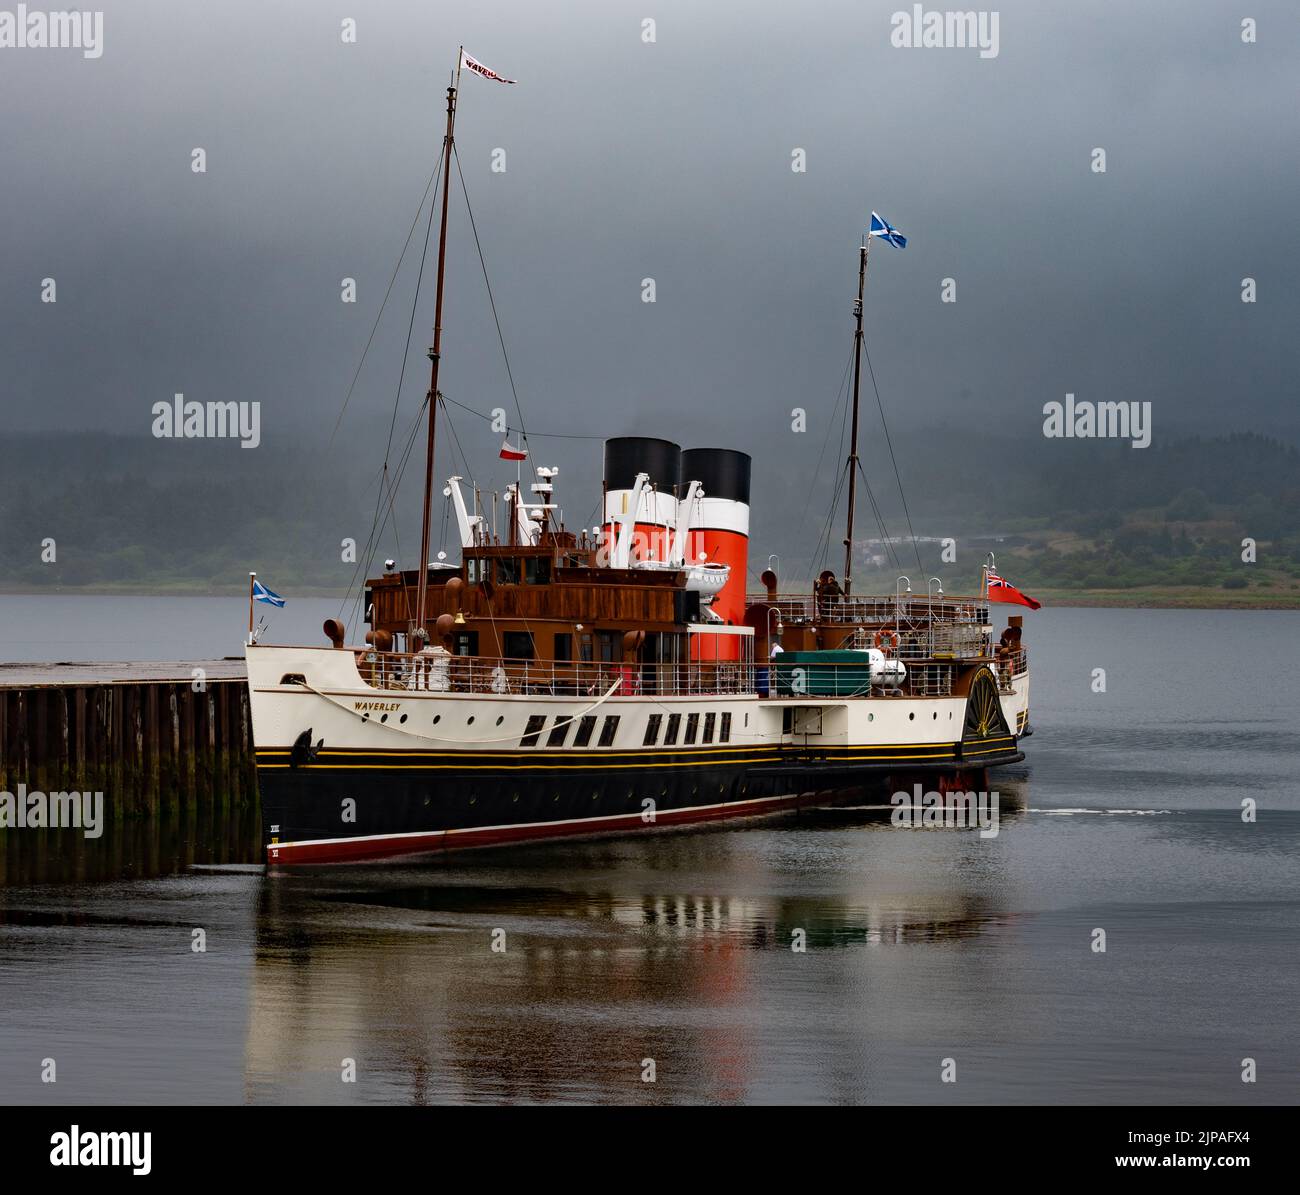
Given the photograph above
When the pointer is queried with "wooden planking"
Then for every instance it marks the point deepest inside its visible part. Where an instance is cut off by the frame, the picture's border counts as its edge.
(149, 745)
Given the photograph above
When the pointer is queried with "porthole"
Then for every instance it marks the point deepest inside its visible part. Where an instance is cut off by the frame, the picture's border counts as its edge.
(366, 716)
(871, 717)
(383, 717)
(436, 719)
(402, 718)
(470, 720)
(936, 715)
(515, 798)
(501, 719)
(911, 717)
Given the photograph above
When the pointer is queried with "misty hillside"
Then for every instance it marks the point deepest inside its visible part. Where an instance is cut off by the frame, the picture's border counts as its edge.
(201, 515)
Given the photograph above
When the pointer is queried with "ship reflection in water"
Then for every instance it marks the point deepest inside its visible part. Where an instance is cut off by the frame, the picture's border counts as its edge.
(745, 963)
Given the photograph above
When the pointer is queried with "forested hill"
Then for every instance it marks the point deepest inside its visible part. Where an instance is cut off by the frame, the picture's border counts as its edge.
(199, 516)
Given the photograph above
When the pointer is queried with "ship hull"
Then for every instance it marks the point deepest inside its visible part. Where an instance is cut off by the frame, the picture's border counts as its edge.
(337, 786)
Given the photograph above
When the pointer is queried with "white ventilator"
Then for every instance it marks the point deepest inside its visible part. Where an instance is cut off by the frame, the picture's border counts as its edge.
(469, 525)
(703, 578)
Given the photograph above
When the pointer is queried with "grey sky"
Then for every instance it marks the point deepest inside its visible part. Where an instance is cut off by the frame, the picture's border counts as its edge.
(671, 161)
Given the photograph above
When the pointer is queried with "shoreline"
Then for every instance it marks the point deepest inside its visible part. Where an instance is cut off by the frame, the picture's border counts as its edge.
(1173, 598)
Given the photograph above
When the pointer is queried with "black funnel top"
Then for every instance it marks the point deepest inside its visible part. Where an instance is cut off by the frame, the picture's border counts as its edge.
(723, 472)
(626, 456)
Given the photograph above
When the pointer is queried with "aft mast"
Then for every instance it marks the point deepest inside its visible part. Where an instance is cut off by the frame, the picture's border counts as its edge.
(853, 441)
(435, 356)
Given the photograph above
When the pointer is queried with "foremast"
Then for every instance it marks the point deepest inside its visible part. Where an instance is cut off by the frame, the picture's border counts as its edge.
(420, 630)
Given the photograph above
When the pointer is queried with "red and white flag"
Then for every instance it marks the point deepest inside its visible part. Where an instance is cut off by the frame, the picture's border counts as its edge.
(512, 454)
(473, 64)
(1003, 591)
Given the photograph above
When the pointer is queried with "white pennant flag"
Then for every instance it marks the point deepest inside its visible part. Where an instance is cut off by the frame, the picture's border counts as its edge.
(473, 64)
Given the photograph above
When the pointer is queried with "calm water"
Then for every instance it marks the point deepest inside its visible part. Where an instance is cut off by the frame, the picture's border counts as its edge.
(922, 945)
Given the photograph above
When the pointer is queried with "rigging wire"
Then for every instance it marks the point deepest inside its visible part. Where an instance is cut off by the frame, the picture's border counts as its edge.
(375, 326)
(539, 435)
(496, 319)
(885, 425)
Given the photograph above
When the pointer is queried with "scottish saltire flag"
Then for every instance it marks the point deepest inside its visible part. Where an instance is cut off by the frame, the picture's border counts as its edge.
(262, 594)
(882, 228)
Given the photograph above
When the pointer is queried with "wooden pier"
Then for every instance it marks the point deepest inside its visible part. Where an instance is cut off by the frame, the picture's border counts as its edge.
(154, 737)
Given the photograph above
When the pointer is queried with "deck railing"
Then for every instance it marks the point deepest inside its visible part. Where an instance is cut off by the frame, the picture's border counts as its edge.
(939, 642)
(1011, 664)
(875, 608)
(443, 673)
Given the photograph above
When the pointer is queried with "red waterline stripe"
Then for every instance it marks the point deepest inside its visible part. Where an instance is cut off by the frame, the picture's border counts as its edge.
(381, 846)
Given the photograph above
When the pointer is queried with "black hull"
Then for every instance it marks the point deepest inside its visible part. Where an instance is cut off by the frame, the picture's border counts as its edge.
(352, 805)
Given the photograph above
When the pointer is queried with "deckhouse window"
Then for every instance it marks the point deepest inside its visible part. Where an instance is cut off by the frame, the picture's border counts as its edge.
(692, 726)
(558, 733)
(532, 730)
(724, 729)
(652, 729)
(563, 648)
(537, 570)
(477, 570)
(610, 644)
(507, 570)
(518, 645)
(674, 725)
(608, 731)
(585, 727)
(709, 720)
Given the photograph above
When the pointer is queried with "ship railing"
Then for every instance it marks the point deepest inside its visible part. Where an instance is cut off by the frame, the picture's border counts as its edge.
(1012, 664)
(875, 608)
(930, 680)
(905, 642)
(445, 673)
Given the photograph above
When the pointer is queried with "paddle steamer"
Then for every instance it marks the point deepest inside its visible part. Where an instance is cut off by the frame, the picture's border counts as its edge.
(616, 678)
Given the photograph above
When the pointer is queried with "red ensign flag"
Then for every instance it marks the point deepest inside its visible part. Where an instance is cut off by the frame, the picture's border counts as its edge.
(1003, 591)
